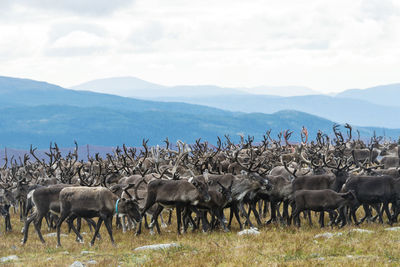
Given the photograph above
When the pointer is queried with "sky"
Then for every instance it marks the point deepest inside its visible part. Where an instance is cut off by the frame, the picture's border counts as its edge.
(326, 45)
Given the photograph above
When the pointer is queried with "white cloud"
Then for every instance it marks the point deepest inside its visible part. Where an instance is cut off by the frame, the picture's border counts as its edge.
(80, 7)
(326, 45)
(78, 43)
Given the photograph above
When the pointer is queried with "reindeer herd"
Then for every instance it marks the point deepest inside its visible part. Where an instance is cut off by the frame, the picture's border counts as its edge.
(275, 178)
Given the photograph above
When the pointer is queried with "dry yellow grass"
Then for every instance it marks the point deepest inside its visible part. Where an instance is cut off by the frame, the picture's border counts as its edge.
(275, 246)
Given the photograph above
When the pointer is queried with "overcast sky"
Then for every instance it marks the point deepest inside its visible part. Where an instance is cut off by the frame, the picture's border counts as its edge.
(325, 45)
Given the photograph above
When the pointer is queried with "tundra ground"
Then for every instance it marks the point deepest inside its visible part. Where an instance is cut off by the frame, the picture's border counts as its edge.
(275, 246)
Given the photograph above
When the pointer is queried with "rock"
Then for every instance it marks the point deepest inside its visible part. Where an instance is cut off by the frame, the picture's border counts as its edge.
(65, 252)
(9, 258)
(328, 235)
(392, 229)
(358, 230)
(54, 235)
(91, 262)
(321, 258)
(84, 252)
(158, 246)
(353, 257)
(252, 231)
(77, 264)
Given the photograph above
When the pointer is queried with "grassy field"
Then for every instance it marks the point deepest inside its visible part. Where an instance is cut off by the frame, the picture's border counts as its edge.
(274, 246)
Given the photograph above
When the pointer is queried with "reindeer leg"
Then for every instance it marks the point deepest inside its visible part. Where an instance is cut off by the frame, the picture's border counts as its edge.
(296, 216)
(286, 211)
(220, 216)
(230, 217)
(256, 214)
(107, 222)
(308, 214)
(265, 209)
(385, 207)
(124, 223)
(273, 212)
(163, 224)
(154, 218)
(179, 218)
(26, 227)
(71, 219)
(60, 221)
(243, 211)
(170, 217)
(38, 223)
(236, 212)
(117, 223)
(322, 219)
(99, 222)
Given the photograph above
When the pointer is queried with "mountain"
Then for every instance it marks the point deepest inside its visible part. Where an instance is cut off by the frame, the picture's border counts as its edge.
(22, 126)
(370, 107)
(23, 92)
(353, 111)
(33, 112)
(386, 95)
(137, 88)
(280, 90)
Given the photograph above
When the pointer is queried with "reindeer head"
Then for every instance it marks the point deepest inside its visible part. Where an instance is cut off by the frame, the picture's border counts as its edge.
(202, 188)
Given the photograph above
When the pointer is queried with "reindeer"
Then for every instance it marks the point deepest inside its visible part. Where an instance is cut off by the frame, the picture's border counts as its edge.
(175, 193)
(98, 202)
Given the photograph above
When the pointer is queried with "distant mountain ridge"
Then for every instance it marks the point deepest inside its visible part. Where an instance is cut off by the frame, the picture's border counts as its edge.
(375, 106)
(337, 109)
(33, 112)
(386, 95)
(40, 125)
(138, 88)
(284, 91)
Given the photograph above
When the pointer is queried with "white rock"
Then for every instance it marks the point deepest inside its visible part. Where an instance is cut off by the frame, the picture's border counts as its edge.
(83, 252)
(328, 235)
(91, 262)
(353, 257)
(77, 264)
(54, 235)
(358, 230)
(158, 246)
(392, 229)
(249, 232)
(9, 258)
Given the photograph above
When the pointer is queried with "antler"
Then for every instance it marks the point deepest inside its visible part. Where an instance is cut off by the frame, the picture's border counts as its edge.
(5, 159)
(349, 129)
(286, 136)
(304, 135)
